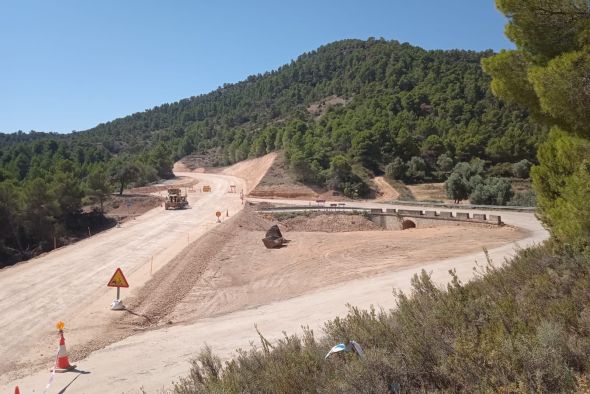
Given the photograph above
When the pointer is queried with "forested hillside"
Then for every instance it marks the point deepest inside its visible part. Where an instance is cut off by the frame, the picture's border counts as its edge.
(418, 111)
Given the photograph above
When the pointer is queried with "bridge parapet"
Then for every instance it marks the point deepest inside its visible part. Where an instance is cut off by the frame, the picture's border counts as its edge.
(412, 212)
(393, 219)
(496, 219)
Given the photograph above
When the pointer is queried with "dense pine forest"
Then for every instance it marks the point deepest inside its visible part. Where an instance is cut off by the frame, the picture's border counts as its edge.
(342, 114)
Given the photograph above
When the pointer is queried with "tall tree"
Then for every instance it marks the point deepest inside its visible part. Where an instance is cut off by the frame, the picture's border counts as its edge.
(549, 74)
(98, 186)
(10, 216)
(41, 212)
(123, 172)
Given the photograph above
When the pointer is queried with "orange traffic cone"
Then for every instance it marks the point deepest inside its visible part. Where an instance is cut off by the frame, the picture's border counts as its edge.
(16, 390)
(62, 364)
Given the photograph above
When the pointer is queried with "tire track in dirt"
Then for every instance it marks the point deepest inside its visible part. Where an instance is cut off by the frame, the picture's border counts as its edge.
(150, 306)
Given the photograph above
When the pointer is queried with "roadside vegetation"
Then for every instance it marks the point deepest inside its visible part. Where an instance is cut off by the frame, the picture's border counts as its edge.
(523, 327)
(46, 184)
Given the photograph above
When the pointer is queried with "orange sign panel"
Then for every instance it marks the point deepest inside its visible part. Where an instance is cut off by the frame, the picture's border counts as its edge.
(206, 188)
(218, 214)
(118, 279)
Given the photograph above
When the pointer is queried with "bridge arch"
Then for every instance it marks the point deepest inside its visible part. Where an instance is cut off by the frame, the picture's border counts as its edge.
(406, 224)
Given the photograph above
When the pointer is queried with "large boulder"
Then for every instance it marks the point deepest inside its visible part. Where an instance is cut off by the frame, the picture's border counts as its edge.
(274, 238)
(274, 232)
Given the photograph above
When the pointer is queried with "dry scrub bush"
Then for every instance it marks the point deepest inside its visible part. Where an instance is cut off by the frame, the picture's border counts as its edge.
(521, 328)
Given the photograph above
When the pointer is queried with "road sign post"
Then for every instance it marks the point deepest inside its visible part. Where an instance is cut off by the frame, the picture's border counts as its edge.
(118, 280)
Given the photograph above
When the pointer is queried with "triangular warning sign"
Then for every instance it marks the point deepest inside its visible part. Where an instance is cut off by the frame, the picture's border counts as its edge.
(118, 279)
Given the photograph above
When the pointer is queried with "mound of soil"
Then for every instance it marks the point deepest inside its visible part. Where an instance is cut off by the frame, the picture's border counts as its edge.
(251, 221)
(328, 223)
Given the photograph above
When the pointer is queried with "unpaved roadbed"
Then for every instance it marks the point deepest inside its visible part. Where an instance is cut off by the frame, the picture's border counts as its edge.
(215, 290)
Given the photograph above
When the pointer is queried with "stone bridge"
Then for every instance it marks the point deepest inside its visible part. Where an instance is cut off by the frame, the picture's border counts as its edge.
(402, 219)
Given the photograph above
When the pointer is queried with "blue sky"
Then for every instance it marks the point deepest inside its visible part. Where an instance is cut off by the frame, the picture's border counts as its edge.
(69, 65)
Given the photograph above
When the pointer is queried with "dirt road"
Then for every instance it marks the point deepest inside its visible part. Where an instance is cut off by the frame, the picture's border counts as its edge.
(70, 283)
(154, 358)
(385, 191)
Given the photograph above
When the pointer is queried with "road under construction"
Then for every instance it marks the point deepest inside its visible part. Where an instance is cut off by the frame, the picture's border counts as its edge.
(69, 284)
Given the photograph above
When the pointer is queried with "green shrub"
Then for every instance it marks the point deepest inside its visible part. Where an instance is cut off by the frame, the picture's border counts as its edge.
(492, 191)
(416, 169)
(524, 327)
(522, 169)
(396, 170)
(523, 199)
(502, 170)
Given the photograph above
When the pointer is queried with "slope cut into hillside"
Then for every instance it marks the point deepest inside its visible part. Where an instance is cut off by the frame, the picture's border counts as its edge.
(279, 182)
(384, 191)
(251, 171)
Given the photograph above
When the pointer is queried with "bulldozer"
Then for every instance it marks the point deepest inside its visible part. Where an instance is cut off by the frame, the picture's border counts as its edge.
(175, 200)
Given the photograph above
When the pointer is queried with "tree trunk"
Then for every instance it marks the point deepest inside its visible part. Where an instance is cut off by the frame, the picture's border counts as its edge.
(16, 234)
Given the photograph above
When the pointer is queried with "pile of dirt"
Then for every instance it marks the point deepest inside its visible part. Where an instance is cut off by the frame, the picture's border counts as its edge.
(252, 221)
(325, 222)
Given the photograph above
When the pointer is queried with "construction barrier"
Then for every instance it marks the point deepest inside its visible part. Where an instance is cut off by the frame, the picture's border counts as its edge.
(62, 363)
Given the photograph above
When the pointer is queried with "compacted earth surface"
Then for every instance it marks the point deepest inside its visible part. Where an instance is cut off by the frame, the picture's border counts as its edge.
(195, 281)
(323, 250)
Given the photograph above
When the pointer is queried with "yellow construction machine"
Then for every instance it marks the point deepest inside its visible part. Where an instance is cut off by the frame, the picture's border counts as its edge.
(175, 200)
